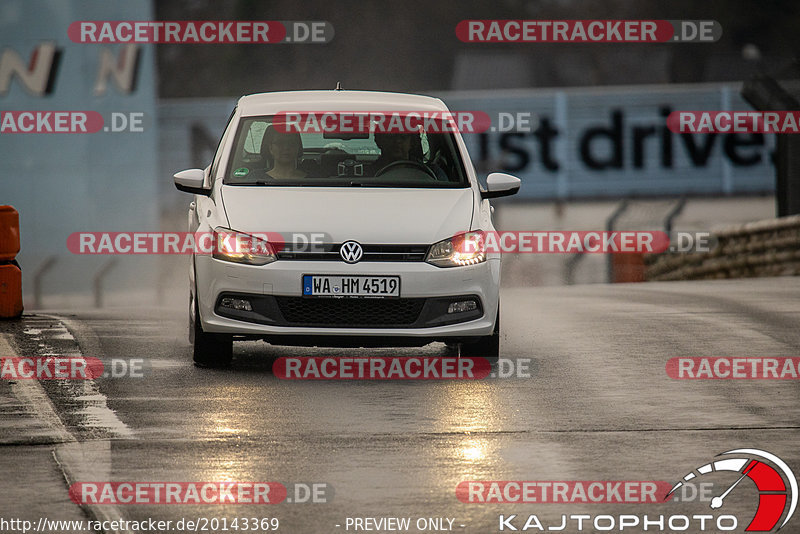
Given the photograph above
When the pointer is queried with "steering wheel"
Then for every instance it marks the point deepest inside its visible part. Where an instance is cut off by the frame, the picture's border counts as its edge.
(406, 163)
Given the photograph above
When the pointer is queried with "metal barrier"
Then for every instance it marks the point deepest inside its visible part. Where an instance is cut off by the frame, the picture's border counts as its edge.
(38, 274)
(98, 278)
(763, 248)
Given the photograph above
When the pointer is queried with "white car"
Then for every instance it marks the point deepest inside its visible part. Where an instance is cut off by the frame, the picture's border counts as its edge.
(379, 235)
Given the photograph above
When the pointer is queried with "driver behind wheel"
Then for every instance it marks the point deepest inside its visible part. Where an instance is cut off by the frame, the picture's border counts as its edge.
(403, 147)
(395, 147)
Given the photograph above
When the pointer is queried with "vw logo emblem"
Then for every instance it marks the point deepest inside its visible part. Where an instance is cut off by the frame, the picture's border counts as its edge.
(351, 251)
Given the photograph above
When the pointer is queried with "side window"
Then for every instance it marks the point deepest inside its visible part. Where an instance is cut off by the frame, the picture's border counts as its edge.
(218, 153)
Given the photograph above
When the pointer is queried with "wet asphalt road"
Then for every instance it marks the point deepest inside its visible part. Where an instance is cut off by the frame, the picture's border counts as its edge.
(597, 406)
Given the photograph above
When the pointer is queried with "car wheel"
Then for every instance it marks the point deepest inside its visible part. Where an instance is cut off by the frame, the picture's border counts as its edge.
(487, 346)
(209, 350)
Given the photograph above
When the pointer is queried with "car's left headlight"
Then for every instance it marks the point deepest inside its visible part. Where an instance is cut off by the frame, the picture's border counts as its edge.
(460, 250)
(238, 247)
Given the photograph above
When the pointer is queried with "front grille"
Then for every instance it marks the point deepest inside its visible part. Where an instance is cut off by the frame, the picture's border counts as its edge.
(343, 312)
(330, 252)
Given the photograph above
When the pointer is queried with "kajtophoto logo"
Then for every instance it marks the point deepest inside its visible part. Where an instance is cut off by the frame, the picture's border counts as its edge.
(773, 493)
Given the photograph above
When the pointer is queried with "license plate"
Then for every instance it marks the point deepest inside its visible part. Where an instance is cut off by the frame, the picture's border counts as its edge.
(315, 285)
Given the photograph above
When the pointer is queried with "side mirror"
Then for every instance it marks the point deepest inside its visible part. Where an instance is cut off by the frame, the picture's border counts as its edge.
(191, 181)
(499, 184)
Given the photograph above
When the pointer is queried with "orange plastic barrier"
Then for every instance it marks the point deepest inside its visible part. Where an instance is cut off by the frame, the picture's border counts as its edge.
(10, 291)
(10, 273)
(9, 233)
(627, 268)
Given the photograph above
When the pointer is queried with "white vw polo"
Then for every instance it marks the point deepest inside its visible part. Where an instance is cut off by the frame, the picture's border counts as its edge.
(325, 234)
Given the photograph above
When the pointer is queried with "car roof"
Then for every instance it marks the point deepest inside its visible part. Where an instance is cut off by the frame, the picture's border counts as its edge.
(337, 100)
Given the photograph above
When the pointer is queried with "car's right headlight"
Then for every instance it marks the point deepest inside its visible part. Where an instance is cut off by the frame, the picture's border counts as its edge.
(238, 247)
(468, 248)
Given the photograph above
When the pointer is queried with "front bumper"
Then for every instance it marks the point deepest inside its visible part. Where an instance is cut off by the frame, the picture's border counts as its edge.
(282, 279)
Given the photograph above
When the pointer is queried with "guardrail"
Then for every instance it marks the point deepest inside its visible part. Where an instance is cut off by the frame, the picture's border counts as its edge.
(763, 248)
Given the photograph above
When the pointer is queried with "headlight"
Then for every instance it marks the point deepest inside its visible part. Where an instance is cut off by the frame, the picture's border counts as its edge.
(237, 247)
(463, 249)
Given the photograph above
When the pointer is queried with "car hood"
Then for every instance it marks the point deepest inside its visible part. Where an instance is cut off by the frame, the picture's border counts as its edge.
(367, 215)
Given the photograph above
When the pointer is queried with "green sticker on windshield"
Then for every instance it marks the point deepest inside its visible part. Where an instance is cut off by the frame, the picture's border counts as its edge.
(241, 171)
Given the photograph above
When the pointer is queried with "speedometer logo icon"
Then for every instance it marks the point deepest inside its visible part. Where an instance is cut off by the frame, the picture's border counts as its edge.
(773, 493)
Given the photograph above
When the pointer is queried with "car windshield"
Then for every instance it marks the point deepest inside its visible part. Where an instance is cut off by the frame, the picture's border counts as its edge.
(265, 153)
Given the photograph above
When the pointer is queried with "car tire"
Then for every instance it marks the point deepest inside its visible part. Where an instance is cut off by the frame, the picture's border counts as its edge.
(487, 346)
(209, 350)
